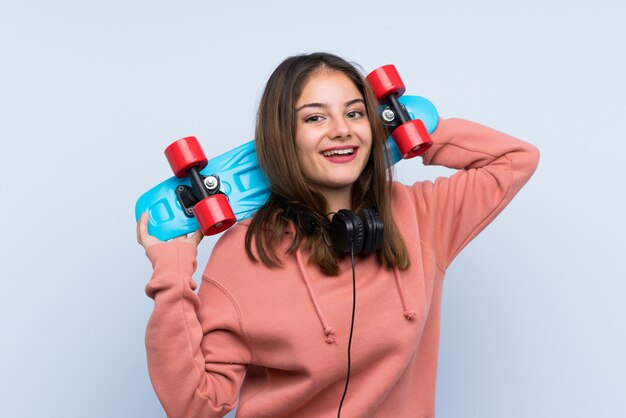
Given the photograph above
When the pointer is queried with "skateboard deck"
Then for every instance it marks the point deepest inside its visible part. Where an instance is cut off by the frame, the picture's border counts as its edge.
(241, 180)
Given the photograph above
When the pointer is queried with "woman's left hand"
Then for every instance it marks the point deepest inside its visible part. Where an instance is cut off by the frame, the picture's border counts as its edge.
(146, 240)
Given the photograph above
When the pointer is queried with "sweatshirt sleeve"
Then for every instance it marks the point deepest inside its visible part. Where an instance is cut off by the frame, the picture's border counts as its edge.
(197, 355)
(492, 166)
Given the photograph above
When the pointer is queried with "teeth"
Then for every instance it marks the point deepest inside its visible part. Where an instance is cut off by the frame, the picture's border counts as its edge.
(338, 152)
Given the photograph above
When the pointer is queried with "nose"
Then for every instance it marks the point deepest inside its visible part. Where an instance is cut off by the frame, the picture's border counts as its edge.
(339, 128)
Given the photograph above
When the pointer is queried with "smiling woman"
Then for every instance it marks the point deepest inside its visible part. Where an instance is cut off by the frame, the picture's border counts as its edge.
(314, 105)
(273, 319)
(333, 136)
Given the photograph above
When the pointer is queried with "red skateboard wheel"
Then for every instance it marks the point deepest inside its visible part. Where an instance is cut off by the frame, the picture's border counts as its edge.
(184, 154)
(214, 214)
(412, 138)
(385, 80)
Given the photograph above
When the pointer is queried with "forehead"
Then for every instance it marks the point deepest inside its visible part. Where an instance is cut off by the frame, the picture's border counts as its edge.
(328, 87)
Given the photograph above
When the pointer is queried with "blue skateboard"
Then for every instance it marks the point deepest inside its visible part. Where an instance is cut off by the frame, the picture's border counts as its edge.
(234, 186)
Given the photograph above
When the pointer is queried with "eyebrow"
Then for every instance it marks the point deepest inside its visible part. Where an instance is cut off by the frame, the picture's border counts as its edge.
(323, 105)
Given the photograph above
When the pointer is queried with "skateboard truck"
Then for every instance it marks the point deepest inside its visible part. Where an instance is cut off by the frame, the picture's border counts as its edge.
(410, 135)
(203, 200)
(188, 198)
(394, 114)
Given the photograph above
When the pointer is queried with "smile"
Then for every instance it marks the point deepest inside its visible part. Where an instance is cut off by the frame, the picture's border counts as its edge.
(330, 153)
(342, 155)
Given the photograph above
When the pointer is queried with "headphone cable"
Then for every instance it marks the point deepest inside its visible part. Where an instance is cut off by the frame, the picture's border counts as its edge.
(351, 328)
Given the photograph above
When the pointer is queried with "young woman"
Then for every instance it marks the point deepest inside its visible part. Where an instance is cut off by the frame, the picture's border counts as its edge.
(270, 327)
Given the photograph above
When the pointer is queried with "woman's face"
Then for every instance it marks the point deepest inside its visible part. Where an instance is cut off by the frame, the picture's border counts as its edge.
(333, 134)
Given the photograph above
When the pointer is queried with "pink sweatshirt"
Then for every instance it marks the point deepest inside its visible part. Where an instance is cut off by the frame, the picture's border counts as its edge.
(277, 338)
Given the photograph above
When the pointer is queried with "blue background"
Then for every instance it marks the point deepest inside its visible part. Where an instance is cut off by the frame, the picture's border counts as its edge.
(92, 92)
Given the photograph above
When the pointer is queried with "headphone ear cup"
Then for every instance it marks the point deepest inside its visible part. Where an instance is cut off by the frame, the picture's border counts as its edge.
(375, 231)
(369, 230)
(359, 233)
(346, 229)
(379, 236)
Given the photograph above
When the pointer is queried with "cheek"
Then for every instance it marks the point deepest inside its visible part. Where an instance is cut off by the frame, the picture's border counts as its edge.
(304, 159)
(367, 143)
(305, 147)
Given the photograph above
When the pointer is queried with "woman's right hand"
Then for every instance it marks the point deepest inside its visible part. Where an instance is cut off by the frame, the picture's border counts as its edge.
(146, 240)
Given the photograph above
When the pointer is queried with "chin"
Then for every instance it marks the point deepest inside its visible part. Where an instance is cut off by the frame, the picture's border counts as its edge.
(342, 184)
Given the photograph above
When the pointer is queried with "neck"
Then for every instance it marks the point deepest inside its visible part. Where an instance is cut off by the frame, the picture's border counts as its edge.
(337, 199)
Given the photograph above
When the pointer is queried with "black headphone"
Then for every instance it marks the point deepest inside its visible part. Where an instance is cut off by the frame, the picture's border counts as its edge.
(363, 231)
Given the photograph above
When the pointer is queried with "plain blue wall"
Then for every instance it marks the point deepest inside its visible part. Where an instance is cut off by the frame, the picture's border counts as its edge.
(90, 94)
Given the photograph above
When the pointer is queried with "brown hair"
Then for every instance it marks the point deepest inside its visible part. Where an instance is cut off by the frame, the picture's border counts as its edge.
(276, 154)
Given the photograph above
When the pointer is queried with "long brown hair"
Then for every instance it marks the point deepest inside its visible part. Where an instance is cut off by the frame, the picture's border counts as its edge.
(276, 154)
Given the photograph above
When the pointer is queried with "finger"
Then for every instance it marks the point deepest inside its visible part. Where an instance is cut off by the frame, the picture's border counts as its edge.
(139, 226)
(142, 228)
(197, 237)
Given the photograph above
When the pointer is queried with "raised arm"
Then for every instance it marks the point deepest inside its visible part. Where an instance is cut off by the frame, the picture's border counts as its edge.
(493, 167)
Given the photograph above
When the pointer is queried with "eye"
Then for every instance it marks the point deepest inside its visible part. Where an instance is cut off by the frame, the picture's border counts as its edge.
(313, 119)
(355, 114)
